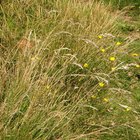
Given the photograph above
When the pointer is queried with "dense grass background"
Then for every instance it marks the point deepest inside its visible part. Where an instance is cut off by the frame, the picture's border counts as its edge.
(122, 3)
(68, 71)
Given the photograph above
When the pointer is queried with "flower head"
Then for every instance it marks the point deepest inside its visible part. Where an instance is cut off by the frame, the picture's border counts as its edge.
(113, 68)
(106, 100)
(134, 54)
(103, 50)
(85, 65)
(93, 96)
(128, 109)
(100, 36)
(112, 58)
(101, 84)
(118, 43)
(137, 66)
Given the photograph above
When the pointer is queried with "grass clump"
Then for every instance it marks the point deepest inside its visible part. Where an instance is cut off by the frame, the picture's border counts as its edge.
(62, 74)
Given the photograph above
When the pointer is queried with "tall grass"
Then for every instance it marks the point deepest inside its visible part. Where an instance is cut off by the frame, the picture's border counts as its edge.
(57, 78)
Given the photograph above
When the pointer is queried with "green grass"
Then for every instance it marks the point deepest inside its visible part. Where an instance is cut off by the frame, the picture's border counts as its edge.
(56, 76)
(122, 3)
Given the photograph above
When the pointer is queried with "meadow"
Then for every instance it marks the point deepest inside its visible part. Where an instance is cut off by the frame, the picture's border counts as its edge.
(70, 70)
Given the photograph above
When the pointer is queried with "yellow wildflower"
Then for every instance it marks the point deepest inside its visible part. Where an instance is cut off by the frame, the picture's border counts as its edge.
(102, 50)
(113, 68)
(118, 43)
(85, 65)
(112, 58)
(106, 100)
(100, 36)
(93, 96)
(101, 84)
(128, 108)
(137, 66)
(134, 54)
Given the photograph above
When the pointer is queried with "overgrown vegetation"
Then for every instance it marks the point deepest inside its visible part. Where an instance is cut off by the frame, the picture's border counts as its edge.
(122, 3)
(68, 71)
